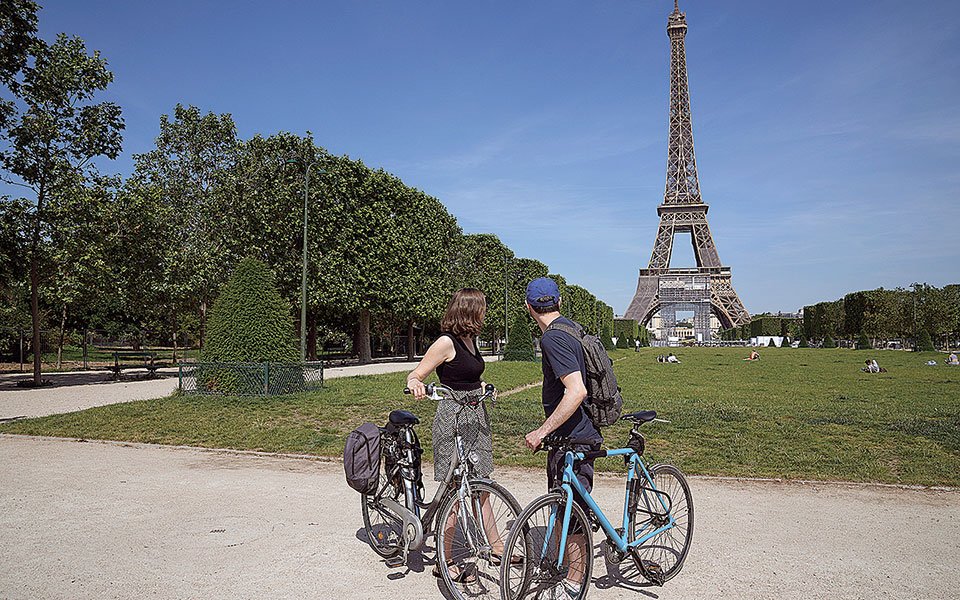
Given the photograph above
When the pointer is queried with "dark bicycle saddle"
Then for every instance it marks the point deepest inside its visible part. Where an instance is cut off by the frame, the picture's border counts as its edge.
(644, 416)
(403, 417)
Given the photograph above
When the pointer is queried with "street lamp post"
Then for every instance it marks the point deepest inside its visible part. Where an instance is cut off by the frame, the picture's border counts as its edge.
(506, 261)
(303, 281)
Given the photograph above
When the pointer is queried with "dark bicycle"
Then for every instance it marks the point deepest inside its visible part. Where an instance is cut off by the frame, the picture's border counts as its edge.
(469, 516)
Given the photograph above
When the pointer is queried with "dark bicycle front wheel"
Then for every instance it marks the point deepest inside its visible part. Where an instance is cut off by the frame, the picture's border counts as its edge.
(470, 542)
(533, 572)
(668, 548)
(383, 527)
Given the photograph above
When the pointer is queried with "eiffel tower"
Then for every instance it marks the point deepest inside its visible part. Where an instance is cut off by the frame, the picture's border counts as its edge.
(707, 288)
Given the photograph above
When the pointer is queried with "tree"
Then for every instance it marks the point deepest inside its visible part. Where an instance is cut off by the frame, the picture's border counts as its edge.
(193, 168)
(583, 307)
(18, 28)
(520, 345)
(250, 322)
(803, 342)
(53, 132)
(605, 337)
(863, 342)
(924, 343)
(828, 342)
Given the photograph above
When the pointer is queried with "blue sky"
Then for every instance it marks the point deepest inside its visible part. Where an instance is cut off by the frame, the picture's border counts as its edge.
(827, 133)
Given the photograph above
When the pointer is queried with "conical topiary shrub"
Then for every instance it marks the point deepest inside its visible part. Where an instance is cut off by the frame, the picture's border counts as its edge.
(863, 342)
(829, 343)
(924, 343)
(605, 338)
(520, 344)
(622, 342)
(249, 323)
(803, 343)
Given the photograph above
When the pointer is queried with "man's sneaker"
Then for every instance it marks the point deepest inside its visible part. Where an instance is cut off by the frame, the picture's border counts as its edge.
(565, 590)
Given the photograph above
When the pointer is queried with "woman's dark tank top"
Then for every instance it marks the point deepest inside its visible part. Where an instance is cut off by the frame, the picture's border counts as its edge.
(464, 371)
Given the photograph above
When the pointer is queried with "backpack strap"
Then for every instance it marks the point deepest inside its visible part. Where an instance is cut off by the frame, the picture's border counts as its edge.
(577, 332)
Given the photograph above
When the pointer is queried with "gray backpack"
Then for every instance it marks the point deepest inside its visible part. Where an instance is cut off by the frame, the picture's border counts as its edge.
(361, 458)
(604, 402)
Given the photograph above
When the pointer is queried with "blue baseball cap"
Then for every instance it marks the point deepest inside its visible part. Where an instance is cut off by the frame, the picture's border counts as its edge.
(543, 291)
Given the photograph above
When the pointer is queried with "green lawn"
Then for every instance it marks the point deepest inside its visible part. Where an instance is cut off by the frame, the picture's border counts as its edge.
(797, 413)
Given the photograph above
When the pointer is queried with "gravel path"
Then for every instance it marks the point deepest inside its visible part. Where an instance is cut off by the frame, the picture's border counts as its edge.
(85, 389)
(93, 520)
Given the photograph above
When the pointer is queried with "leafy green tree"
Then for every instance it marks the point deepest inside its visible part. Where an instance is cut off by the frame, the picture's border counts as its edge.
(53, 132)
(828, 342)
(924, 343)
(803, 342)
(520, 345)
(250, 321)
(481, 262)
(193, 168)
(18, 28)
(863, 342)
(583, 307)
(605, 337)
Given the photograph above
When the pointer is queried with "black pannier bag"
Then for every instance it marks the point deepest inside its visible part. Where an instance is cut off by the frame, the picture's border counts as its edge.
(361, 458)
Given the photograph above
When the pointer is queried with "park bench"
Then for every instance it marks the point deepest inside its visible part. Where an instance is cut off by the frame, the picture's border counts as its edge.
(133, 360)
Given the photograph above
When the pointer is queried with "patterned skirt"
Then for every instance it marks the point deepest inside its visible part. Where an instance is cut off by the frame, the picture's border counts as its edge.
(474, 430)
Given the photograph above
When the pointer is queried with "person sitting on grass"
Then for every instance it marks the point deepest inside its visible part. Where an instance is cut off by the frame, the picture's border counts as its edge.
(872, 366)
(952, 359)
(672, 358)
(754, 355)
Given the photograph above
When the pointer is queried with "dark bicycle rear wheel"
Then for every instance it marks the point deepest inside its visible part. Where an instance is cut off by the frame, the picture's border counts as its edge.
(668, 548)
(462, 536)
(383, 527)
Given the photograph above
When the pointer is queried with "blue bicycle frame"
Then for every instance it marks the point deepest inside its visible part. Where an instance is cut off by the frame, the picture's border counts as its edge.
(571, 484)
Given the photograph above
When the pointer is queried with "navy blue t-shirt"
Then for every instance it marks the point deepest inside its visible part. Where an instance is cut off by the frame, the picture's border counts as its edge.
(563, 354)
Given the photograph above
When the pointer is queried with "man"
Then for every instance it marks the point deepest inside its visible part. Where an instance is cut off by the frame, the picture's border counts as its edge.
(564, 390)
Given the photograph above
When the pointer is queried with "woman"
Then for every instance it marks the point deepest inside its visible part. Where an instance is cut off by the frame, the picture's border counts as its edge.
(459, 366)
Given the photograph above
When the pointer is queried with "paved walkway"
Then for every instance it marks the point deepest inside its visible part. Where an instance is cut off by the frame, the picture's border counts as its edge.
(78, 390)
(93, 521)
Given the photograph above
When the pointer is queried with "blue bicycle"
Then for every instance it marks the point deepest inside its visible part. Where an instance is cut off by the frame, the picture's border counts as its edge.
(551, 543)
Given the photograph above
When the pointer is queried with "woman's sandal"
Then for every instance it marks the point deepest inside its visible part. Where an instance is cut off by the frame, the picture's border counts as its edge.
(461, 577)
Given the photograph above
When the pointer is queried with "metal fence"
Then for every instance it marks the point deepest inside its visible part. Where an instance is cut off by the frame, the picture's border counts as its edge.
(249, 379)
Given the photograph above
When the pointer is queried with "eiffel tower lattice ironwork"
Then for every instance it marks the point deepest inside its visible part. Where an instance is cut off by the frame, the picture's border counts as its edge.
(707, 288)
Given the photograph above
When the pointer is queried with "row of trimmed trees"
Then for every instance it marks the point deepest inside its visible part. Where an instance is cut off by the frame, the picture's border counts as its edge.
(927, 315)
(151, 252)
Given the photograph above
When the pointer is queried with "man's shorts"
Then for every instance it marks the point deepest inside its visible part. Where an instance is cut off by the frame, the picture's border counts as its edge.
(582, 469)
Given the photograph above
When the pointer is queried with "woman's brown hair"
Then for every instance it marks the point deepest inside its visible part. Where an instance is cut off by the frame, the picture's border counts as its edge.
(464, 316)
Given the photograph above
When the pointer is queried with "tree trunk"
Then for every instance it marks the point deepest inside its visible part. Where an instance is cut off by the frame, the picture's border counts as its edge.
(63, 326)
(362, 340)
(411, 341)
(311, 336)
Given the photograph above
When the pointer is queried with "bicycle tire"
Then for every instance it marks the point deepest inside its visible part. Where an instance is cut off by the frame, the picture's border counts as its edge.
(477, 562)
(536, 576)
(383, 527)
(668, 549)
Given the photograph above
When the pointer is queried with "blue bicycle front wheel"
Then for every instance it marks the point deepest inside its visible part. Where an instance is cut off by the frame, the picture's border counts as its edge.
(534, 569)
(654, 510)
